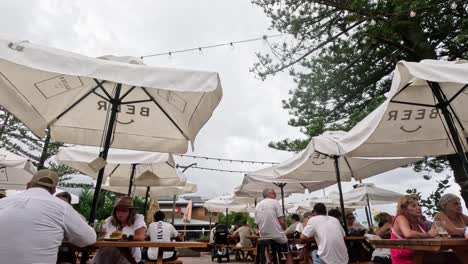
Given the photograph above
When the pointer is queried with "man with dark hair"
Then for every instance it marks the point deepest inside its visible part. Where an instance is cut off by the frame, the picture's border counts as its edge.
(243, 233)
(35, 223)
(295, 226)
(329, 236)
(2, 194)
(160, 231)
(65, 196)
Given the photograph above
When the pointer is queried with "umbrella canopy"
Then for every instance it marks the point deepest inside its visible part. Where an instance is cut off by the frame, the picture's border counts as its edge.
(105, 102)
(159, 109)
(254, 185)
(410, 122)
(369, 192)
(316, 163)
(15, 171)
(226, 202)
(155, 191)
(330, 201)
(148, 168)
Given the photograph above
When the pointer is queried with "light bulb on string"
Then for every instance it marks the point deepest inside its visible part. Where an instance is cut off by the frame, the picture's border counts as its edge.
(412, 13)
(453, 6)
(372, 22)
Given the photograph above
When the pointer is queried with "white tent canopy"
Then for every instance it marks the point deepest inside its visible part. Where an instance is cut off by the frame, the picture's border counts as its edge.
(316, 163)
(226, 202)
(398, 129)
(155, 191)
(151, 168)
(253, 185)
(15, 171)
(368, 191)
(160, 109)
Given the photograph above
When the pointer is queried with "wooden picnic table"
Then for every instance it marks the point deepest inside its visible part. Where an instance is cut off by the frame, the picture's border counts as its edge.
(458, 245)
(163, 246)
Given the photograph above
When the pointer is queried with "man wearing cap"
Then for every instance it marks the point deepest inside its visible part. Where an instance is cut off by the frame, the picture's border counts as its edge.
(34, 223)
(270, 220)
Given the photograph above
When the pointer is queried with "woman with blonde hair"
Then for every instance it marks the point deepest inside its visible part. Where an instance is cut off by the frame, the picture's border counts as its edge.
(452, 214)
(124, 223)
(406, 224)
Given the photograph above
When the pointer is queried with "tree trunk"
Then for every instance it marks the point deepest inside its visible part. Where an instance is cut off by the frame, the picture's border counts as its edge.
(412, 34)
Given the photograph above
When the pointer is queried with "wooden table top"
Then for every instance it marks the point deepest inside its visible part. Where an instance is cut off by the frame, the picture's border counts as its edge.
(150, 244)
(429, 244)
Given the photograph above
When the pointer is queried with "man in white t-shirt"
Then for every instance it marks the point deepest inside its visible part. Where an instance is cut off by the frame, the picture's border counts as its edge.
(160, 231)
(329, 236)
(34, 223)
(270, 220)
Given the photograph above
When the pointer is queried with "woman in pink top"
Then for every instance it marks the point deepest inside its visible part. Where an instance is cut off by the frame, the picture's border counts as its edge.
(407, 225)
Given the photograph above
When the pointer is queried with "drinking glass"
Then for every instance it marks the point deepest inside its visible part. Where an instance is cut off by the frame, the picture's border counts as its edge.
(441, 228)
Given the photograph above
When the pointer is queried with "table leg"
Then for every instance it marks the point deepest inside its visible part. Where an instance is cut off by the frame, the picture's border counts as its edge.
(418, 257)
(462, 255)
(160, 256)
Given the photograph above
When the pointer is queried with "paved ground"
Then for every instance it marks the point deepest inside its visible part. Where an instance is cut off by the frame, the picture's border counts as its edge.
(206, 258)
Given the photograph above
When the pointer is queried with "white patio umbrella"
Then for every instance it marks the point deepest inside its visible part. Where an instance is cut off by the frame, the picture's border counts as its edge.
(124, 167)
(104, 102)
(225, 203)
(155, 191)
(324, 160)
(425, 114)
(253, 185)
(15, 171)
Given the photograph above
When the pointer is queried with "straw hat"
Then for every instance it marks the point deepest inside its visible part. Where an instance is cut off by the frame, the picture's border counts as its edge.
(125, 202)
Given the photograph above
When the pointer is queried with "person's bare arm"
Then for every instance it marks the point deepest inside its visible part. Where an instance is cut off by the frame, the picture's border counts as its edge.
(405, 229)
(451, 228)
(381, 232)
(282, 222)
(140, 234)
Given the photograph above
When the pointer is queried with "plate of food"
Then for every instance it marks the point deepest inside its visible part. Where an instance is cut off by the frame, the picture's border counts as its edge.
(115, 236)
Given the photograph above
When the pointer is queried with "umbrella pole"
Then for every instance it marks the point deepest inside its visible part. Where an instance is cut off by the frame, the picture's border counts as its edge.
(45, 148)
(282, 196)
(173, 208)
(437, 91)
(338, 181)
(146, 199)
(130, 184)
(370, 211)
(368, 216)
(103, 154)
(226, 218)
(105, 150)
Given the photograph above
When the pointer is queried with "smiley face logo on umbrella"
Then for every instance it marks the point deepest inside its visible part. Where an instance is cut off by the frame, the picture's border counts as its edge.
(412, 114)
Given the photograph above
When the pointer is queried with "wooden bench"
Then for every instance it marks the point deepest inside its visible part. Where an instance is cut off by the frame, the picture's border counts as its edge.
(166, 262)
(250, 251)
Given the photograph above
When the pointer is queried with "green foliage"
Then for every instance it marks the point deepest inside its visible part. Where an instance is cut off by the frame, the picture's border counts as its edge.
(341, 54)
(17, 138)
(431, 203)
(105, 203)
(234, 218)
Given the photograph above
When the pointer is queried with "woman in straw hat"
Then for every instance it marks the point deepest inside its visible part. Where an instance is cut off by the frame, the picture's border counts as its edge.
(123, 223)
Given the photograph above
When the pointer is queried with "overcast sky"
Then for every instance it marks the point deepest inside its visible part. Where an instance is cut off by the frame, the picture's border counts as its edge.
(250, 114)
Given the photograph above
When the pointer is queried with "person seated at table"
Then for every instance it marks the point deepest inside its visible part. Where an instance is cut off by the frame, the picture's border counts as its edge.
(295, 220)
(66, 255)
(407, 224)
(126, 222)
(212, 233)
(452, 215)
(353, 225)
(160, 231)
(329, 236)
(243, 233)
(335, 213)
(385, 224)
(2, 194)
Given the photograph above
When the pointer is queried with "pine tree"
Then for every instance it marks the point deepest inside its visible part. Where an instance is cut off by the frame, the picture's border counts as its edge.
(342, 53)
